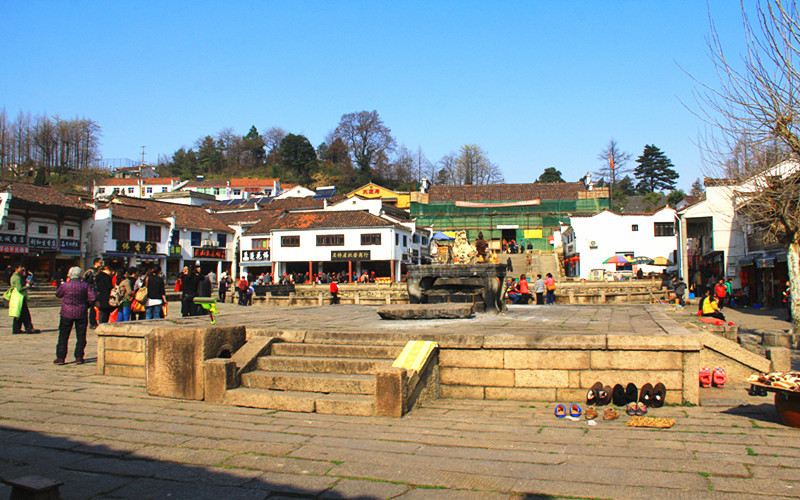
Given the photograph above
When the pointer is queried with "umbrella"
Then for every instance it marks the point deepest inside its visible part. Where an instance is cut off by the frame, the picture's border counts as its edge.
(641, 260)
(662, 261)
(617, 259)
(441, 236)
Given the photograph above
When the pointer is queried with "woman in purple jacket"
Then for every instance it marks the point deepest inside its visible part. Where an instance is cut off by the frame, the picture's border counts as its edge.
(76, 296)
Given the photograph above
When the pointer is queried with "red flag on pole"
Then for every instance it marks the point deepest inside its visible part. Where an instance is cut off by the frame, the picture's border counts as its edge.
(611, 162)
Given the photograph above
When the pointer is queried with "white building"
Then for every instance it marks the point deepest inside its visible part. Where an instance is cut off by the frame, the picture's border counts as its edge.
(235, 189)
(588, 241)
(136, 188)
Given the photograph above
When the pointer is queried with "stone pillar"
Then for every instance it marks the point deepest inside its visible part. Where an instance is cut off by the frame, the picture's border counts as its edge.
(781, 358)
(291, 298)
(356, 298)
(388, 297)
(319, 298)
(391, 392)
(267, 298)
(571, 295)
(219, 376)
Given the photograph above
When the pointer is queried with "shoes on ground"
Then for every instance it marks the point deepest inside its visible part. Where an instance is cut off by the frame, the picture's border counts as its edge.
(59, 361)
(610, 414)
(705, 377)
(720, 378)
(33, 330)
(80, 361)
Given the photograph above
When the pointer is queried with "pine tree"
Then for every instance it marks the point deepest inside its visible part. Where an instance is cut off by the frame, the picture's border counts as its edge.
(655, 172)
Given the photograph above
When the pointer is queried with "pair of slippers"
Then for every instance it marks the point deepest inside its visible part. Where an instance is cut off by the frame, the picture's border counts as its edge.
(718, 377)
(649, 395)
(608, 414)
(638, 409)
(600, 395)
(574, 410)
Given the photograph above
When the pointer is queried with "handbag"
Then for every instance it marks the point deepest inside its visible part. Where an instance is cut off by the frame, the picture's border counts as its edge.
(141, 294)
(179, 285)
(137, 307)
(8, 294)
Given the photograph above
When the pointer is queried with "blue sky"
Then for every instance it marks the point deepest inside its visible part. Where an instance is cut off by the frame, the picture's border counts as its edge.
(535, 84)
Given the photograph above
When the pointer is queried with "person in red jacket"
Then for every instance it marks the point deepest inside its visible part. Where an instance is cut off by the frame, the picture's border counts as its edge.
(721, 292)
(524, 292)
(334, 291)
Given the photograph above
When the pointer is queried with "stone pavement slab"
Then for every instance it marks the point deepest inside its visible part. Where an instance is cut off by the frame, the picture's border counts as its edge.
(106, 438)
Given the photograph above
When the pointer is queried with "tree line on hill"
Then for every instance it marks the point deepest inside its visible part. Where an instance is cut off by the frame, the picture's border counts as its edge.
(360, 149)
(47, 144)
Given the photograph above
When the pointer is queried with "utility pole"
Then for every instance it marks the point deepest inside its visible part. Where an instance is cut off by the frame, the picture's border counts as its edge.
(143, 147)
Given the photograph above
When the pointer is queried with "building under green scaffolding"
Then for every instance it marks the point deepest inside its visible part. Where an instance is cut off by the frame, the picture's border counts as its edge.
(527, 213)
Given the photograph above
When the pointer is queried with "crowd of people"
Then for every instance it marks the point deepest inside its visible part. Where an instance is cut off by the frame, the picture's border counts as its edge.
(544, 290)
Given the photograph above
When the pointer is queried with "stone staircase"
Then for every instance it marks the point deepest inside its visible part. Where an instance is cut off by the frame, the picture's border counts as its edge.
(540, 263)
(326, 378)
(519, 261)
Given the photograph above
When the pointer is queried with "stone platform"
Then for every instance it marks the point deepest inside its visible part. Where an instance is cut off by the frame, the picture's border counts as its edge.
(529, 353)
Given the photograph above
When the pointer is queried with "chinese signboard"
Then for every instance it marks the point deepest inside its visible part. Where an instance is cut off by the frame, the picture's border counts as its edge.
(255, 255)
(209, 253)
(145, 247)
(72, 245)
(175, 250)
(5, 249)
(13, 239)
(343, 255)
(46, 243)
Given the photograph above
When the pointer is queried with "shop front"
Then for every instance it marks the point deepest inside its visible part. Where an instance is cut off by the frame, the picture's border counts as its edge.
(211, 259)
(255, 262)
(134, 254)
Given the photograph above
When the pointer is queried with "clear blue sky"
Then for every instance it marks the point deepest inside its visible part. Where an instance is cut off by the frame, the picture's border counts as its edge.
(535, 84)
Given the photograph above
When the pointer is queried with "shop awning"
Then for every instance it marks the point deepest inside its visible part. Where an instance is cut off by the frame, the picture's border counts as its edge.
(766, 261)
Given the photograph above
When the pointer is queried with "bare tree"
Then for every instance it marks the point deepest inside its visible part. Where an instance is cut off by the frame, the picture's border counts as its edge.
(613, 161)
(753, 113)
(474, 167)
(369, 139)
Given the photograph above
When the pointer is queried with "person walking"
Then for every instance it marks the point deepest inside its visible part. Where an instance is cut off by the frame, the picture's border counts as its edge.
(721, 291)
(103, 287)
(89, 277)
(539, 289)
(19, 291)
(156, 295)
(223, 288)
(190, 277)
(334, 292)
(125, 294)
(524, 291)
(550, 287)
(74, 294)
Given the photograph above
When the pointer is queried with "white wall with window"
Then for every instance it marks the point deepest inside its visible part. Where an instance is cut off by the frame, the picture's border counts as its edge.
(594, 239)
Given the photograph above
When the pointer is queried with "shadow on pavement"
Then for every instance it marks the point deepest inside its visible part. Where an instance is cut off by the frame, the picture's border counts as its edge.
(763, 412)
(90, 470)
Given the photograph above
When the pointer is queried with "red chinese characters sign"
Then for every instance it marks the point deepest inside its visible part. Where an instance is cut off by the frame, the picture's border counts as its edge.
(209, 253)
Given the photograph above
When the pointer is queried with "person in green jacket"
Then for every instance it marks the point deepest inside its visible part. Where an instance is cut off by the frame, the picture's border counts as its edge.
(19, 285)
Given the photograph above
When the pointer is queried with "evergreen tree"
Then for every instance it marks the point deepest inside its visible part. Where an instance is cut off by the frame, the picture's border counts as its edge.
(550, 174)
(697, 188)
(298, 157)
(675, 197)
(655, 172)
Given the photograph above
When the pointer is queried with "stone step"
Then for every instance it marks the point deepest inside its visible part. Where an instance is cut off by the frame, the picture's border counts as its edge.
(307, 402)
(312, 364)
(310, 382)
(334, 351)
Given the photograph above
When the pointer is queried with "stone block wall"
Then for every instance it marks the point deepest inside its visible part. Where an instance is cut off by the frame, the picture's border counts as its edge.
(121, 350)
(565, 375)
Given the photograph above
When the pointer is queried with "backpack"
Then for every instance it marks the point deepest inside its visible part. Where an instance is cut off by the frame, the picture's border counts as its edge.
(115, 297)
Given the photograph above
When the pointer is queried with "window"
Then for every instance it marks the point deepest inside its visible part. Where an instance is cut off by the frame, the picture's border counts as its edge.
(131, 190)
(424, 240)
(175, 238)
(396, 239)
(634, 227)
(222, 240)
(42, 229)
(163, 190)
(121, 231)
(101, 190)
(263, 244)
(195, 237)
(415, 238)
(371, 239)
(148, 190)
(664, 228)
(237, 192)
(330, 240)
(12, 226)
(290, 241)
(70, 233)
(405, 240)
(152, 234)
(216, 190)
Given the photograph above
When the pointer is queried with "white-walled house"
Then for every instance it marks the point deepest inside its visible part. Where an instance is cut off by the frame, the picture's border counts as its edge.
(588, 241)
(136, 187)
(128, 232)
(328, 242)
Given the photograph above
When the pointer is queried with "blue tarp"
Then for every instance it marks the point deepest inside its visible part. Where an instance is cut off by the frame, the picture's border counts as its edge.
(441, 236)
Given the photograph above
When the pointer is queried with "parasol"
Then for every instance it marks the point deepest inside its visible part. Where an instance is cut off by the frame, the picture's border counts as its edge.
(617, 259)
(641, 260)
(662, 261)
(441, 236)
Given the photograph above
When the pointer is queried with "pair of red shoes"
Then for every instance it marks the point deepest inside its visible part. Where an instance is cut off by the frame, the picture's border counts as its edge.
(718, 377)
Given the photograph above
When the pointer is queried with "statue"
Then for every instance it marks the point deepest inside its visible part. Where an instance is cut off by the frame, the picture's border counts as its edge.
(463, 252)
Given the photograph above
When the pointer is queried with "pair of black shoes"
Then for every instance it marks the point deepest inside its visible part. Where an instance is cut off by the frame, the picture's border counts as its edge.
(652, 396)
(757, 391)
